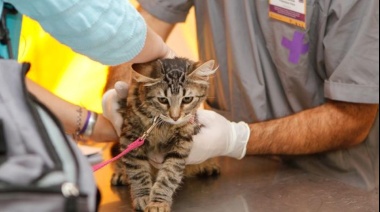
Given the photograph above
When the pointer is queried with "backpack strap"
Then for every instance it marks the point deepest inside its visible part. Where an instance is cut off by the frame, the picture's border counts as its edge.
(3, 146)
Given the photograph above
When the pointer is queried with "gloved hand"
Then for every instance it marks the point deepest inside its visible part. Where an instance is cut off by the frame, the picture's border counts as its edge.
(218, 137)
(110, 104)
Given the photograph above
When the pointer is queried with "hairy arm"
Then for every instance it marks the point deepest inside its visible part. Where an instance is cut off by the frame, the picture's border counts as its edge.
(330, 126)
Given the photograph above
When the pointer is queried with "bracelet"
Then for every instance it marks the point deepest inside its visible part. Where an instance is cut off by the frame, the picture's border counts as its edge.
(88, 127)
(82, 134)
(76, 134)
(84, 128)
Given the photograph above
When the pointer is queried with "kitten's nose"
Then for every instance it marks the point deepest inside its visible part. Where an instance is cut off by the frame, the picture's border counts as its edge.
(175, 118)
(174, 113)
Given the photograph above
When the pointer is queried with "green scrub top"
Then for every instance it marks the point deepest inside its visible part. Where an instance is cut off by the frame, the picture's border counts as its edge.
(270, 69)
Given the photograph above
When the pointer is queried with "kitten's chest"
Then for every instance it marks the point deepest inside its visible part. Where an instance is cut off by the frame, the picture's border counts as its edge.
(165, 138)
(162, 135)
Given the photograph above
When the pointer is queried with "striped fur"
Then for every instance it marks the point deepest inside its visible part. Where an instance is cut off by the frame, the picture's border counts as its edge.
(171, 89)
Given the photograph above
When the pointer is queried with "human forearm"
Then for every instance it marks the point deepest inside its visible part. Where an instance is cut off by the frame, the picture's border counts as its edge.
(327, 127)
(162, 28)
(154, 48)
(158, 32)
(68, 114)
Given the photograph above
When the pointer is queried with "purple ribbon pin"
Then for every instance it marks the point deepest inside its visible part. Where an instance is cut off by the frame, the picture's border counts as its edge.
(296, 46)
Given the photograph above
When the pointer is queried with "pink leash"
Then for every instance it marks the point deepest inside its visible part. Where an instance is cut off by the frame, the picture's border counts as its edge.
(137, 143)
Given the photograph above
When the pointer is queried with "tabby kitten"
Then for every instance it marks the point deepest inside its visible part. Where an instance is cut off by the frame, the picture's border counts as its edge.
(171, 89)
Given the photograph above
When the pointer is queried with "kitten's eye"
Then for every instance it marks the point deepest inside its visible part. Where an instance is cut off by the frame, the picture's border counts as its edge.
(187, 100)
(163, 100)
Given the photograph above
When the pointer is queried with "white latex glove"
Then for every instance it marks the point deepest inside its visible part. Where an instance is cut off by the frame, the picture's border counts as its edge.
(110, 104)
(218, 137)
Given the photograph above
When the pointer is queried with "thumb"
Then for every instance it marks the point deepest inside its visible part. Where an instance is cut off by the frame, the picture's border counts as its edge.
(110, 109)
(208, 117)
(109, 103)
(121, 89)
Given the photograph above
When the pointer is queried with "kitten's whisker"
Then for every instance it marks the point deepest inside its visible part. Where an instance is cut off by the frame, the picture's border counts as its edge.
(160, 121)
(163, 123)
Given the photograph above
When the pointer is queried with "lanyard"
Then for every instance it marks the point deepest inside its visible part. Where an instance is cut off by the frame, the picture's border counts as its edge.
(137, 143)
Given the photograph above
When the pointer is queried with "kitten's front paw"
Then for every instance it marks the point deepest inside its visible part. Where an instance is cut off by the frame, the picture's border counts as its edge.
(157, 207)
(140, 203)
(119, 179)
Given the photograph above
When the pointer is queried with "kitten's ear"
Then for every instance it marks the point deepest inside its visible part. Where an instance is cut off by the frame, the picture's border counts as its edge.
(144, 73)
(143, 79)
(203, 71)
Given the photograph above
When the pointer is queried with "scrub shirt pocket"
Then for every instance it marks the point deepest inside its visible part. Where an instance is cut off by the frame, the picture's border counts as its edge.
(289, 45)
(293, 50)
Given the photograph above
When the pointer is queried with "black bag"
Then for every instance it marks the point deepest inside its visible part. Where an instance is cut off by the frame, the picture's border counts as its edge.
(41, 168)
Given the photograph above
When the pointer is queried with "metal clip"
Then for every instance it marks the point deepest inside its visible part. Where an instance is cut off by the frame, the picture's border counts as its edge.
(146, 133)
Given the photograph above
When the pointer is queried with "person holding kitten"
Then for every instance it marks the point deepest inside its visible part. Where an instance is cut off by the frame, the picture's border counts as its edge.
(306, 89)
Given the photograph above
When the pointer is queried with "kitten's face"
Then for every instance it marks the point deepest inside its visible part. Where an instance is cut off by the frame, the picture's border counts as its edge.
(172, 89)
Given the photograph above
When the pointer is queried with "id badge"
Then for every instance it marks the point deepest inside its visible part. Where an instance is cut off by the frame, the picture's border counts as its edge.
(289, 11)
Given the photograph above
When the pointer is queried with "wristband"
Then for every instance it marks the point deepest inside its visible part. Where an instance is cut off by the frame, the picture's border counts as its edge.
(81, 132)
(89, 125)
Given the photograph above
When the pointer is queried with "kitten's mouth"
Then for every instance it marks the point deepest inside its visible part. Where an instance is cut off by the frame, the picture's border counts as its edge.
(181, 120)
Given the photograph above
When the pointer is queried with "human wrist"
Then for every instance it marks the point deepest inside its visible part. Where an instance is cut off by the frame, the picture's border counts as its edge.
(154, 48)
(240, 133)
(104, 130)
(85, 131)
